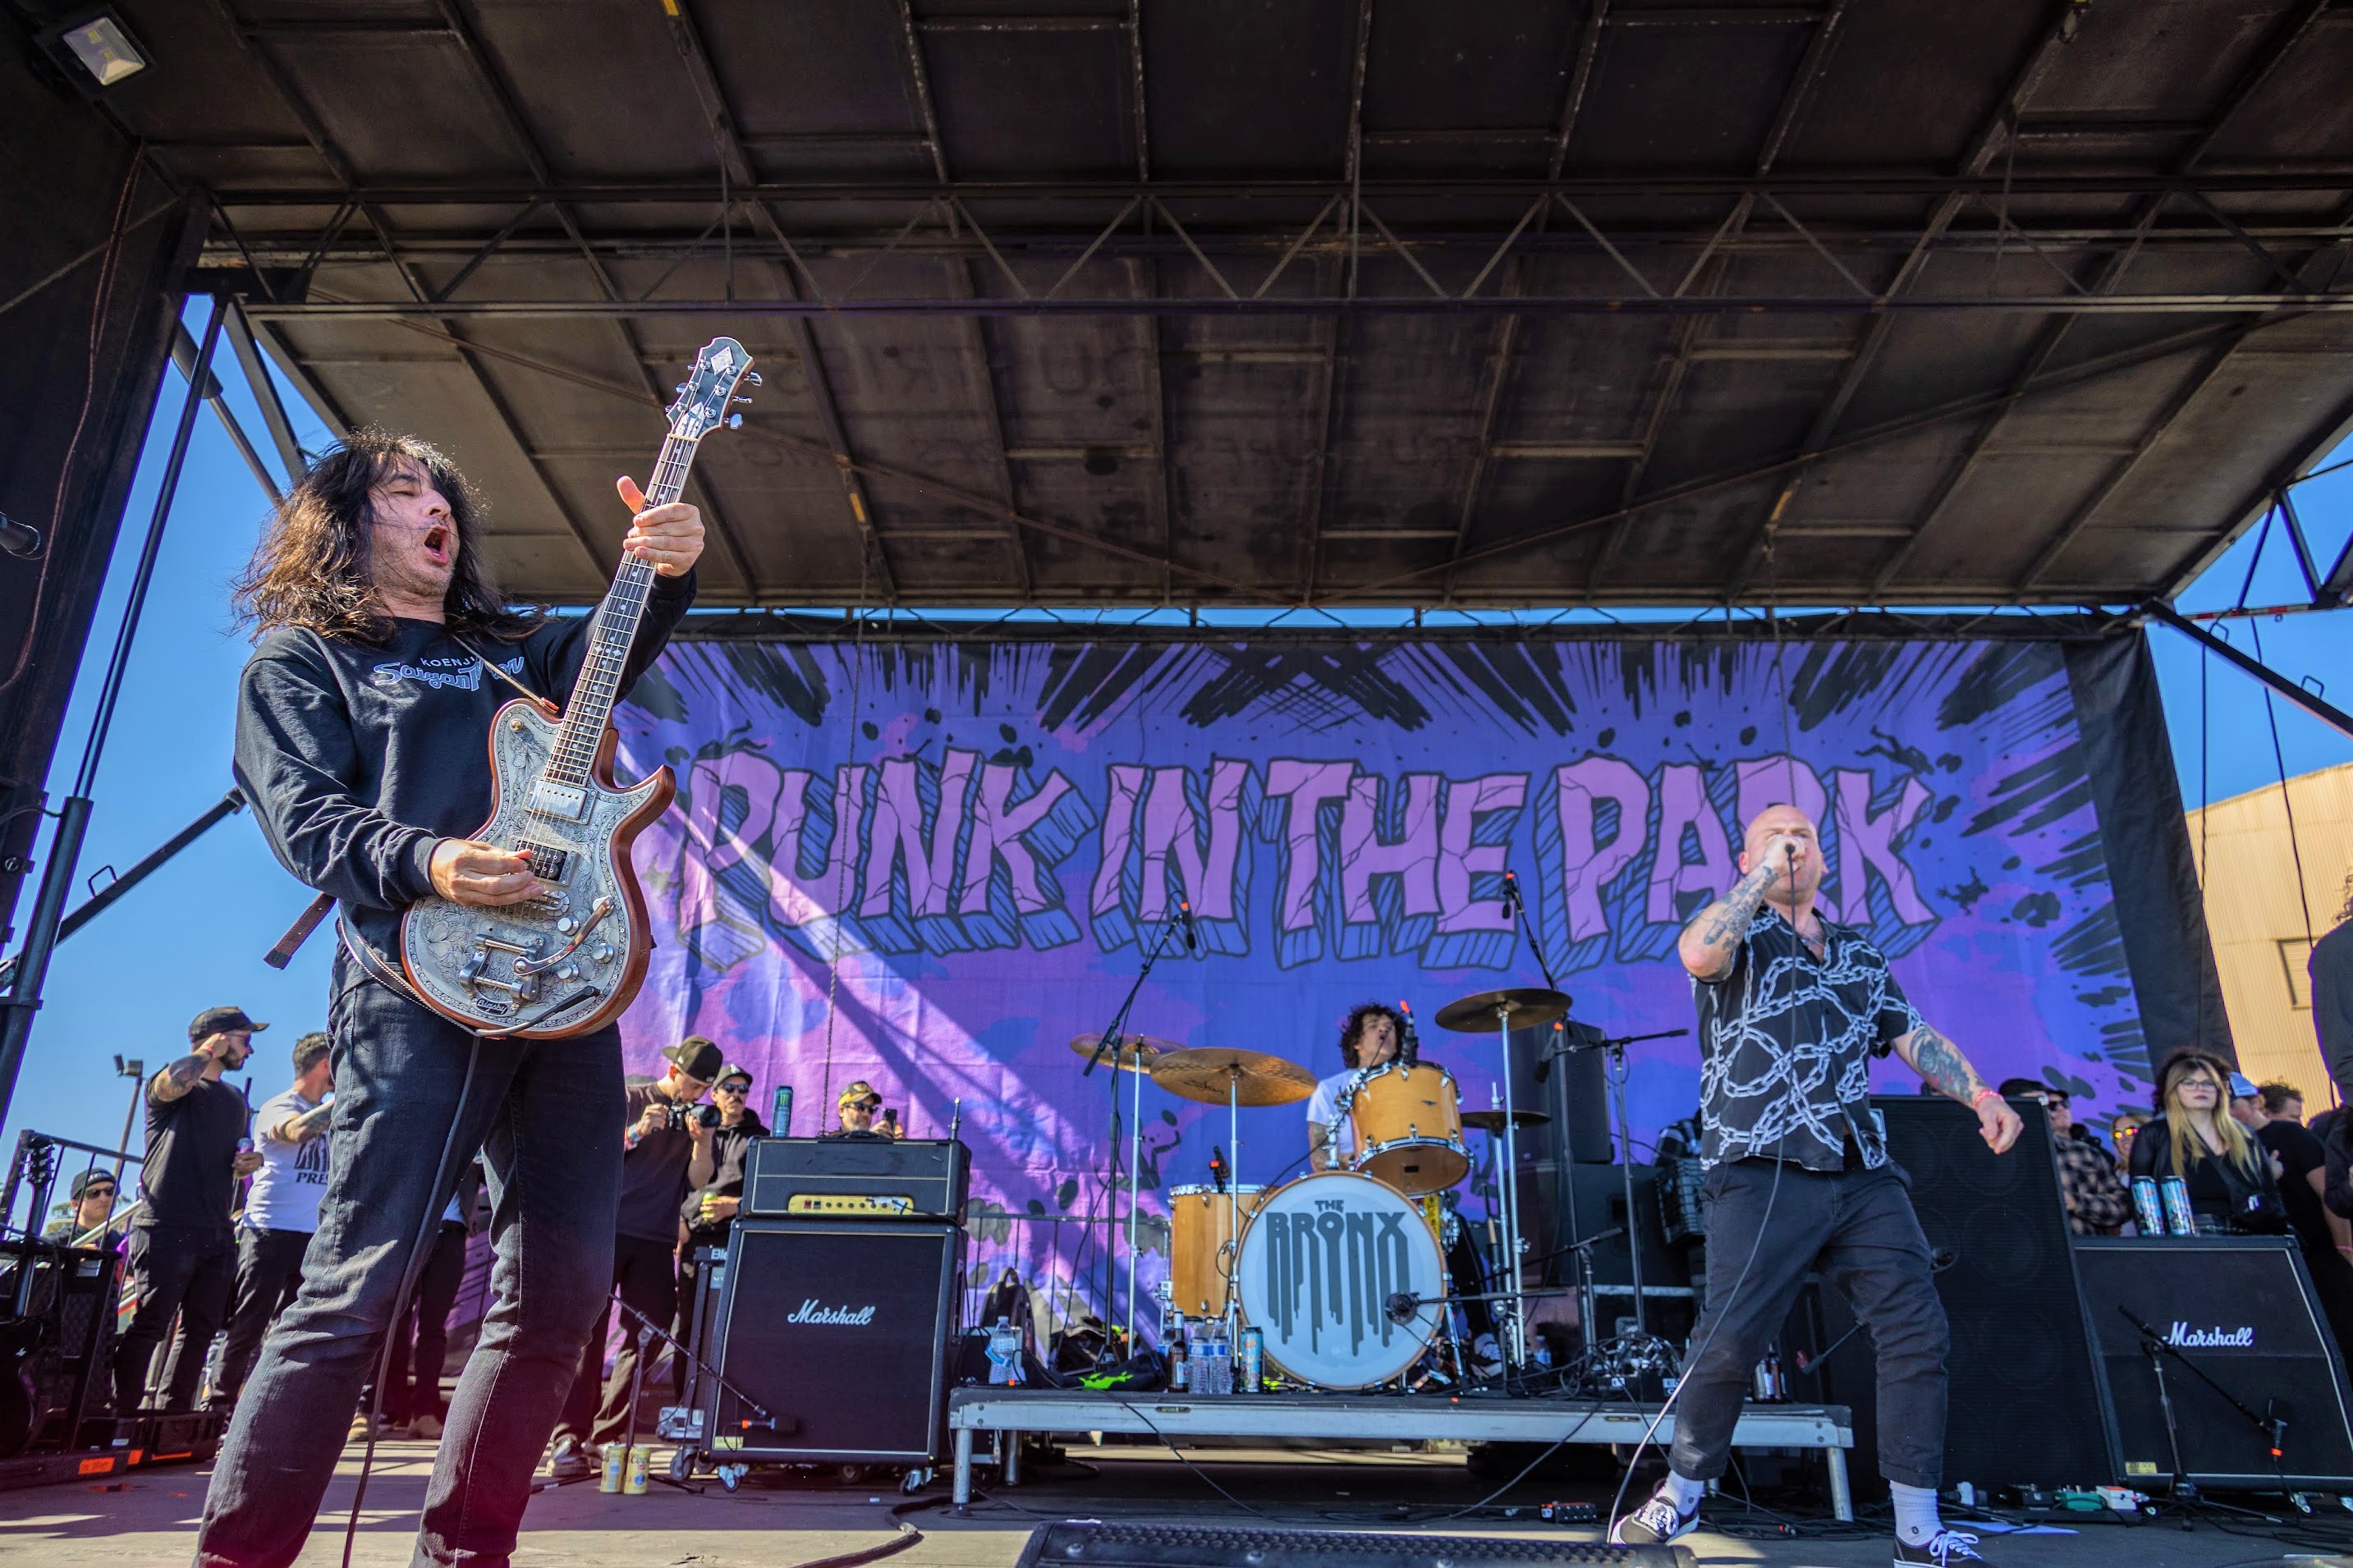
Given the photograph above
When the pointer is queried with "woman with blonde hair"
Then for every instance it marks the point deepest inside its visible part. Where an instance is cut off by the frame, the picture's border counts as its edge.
(2193, 1136)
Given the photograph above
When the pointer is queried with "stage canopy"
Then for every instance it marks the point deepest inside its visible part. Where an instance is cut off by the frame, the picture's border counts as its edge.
(1331, 300)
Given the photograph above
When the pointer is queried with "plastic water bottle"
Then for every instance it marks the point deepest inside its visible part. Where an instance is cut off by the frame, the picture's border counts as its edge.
(1004, 1355)
(1221, 1360)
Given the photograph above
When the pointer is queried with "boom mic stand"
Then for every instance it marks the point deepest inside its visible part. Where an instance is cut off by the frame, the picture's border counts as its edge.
(1617, 1074)
(1110, 1041)
(2157, 1348)
(647, 1332)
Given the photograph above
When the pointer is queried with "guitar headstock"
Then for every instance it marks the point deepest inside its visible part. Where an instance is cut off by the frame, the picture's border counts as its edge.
(709, 388)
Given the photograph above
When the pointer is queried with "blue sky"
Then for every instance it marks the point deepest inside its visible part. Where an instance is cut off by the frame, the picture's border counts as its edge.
(193, 935)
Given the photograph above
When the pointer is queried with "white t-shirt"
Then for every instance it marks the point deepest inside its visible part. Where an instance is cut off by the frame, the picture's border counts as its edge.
(293, 1176)
(1324, 1106)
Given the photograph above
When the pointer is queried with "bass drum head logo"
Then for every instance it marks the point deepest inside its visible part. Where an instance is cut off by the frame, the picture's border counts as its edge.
(1319, 1265)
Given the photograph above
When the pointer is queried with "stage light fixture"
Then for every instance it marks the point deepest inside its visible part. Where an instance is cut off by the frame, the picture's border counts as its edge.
(103, 47)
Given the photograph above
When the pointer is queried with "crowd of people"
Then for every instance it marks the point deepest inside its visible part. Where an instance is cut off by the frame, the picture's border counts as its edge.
(229, 1197)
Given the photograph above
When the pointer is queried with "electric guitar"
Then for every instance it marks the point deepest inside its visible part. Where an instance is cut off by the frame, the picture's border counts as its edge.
(569, 959)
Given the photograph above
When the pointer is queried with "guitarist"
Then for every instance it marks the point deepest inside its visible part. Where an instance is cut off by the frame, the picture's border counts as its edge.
(363, 731)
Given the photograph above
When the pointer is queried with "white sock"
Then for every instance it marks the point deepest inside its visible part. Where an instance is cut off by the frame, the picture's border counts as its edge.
(1916, 1522)
(1686, 1493)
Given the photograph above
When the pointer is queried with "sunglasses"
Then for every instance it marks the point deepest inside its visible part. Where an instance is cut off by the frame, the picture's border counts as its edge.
(732, 1089)
(89, 1193)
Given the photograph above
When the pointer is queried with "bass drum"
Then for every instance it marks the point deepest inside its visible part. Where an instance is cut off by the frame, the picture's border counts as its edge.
(1319, 1265)
(1200, 1242)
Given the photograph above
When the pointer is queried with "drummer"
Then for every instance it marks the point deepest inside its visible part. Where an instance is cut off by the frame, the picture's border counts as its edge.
(1370, 1040)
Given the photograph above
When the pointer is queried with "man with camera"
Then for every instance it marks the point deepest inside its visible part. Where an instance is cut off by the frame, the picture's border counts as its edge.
(664, 1135)
(182, 1259)
(860, 1108)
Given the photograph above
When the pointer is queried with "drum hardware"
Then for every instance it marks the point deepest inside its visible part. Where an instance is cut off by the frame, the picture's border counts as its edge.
(1493, 1120)
(1114, 1042)
(1615, 1069)
(1508, 1010)
(1209, 1074)
(1128, 1054)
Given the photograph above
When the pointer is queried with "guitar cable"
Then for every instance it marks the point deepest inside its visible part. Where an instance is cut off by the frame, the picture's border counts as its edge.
(444, 1177)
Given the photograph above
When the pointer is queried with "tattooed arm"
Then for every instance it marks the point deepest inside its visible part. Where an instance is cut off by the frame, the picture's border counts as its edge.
(303, 1127)
(1942, 1067)
(1712, 941)
(177, 1077)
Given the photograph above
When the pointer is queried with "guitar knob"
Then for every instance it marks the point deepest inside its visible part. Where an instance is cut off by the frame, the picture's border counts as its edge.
(565, 925)
(604, 955)
(567, 973)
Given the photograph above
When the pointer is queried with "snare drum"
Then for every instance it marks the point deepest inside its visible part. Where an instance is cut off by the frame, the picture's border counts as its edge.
(1408, 1123)
(1320, 1266)
(1200, 1234)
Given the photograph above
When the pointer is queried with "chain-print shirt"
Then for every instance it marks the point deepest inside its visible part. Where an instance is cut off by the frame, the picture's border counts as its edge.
(1785, 1043)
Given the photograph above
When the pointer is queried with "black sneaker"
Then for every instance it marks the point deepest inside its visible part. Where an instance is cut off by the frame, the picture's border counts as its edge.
(1941, 1550)
(570, 1462)
(1654, 1523)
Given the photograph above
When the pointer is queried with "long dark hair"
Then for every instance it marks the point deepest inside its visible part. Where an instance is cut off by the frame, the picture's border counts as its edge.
(312, 567)
(1352, 1033)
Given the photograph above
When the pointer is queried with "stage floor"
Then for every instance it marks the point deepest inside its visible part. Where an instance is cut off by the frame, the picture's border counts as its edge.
(149, 1522)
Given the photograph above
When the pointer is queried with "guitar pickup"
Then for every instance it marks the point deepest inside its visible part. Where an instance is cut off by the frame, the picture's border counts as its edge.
(558, 802)
(547, 862)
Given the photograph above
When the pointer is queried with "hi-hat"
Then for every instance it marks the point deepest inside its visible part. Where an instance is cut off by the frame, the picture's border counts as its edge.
(1211, 1073)
(1493, 1120)
(1525, 1008)
(1134, 1053)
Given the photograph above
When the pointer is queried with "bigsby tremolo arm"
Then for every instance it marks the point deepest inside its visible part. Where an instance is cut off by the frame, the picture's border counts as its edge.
(597, 912)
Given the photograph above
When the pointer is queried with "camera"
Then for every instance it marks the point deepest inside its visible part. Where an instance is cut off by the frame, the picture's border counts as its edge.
(676, 1118)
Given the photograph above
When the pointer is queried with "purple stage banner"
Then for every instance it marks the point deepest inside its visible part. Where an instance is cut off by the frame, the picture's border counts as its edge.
(930, 865)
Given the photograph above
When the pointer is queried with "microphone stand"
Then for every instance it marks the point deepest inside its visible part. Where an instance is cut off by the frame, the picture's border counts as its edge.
(1110, 1041)
(1617, 1073)
(2157, 1348)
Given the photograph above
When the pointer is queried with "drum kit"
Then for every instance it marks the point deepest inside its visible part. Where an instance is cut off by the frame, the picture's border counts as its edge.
(1343, 1271)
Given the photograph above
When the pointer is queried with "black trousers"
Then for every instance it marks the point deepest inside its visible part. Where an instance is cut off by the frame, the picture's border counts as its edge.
(420, 1342)
(1858, 1229)
(172, 1269)
(268, 1268)
(644, 1273)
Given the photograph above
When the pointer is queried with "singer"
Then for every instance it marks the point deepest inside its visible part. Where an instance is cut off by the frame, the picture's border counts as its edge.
(1791, 1010)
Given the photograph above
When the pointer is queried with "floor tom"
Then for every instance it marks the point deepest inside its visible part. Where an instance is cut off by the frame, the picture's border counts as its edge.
(1200, 1236)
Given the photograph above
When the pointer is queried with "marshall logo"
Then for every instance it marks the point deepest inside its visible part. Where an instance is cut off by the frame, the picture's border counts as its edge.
(2216, 1338)
(843, 1317)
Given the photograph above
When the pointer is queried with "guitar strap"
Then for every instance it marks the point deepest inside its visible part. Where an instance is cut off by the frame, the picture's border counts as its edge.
(279, 956)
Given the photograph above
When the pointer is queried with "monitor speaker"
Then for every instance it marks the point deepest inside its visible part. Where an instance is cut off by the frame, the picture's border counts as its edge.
(839, 1329)
(2242, 1313)
(1998, 1228)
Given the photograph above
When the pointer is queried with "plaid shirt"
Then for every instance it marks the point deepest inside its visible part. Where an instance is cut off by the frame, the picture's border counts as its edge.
(2097, 1201)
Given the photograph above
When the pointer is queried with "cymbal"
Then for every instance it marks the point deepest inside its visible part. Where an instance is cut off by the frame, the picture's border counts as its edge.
(1133, 1054)
(1493, 1120)
(1529, 1005)
(1206, 1074)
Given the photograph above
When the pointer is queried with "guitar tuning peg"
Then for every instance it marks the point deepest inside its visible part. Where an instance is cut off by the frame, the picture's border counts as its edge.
(734, 422)
(753, 376)
(744, 400)
(680, 388)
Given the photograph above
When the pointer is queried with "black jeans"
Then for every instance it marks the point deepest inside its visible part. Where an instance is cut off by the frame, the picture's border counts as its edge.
(547, 1117)
(268, 1267)
(420, 1342)
(644, 1272)
(171, 1270)
(1858, 1229)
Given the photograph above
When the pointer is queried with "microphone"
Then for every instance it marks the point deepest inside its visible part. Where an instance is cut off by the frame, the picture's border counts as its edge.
(1510, 896)
(1401, 1306)
(1409, 1048)
(1218, 1168)
(1192, 938)
(1544, 1059)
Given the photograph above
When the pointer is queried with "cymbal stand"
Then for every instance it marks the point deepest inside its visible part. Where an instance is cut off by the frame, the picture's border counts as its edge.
(1234, 1206)
(1111, 1041)
(1515, 1344)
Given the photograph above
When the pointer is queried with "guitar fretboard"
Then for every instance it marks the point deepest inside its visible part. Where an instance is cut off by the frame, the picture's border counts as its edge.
(610, 632)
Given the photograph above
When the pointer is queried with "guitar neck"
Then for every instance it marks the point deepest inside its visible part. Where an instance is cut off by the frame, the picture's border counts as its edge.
(611, 632)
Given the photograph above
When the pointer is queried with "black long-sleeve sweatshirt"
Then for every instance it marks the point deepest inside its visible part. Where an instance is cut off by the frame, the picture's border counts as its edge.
(359, 759)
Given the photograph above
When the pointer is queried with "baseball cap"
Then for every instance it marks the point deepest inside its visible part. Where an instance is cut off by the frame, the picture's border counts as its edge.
(2243, 1087)
(697, 1057)
(221, 1021)
(734, 1070)
(858, 1091)
(88, 1179)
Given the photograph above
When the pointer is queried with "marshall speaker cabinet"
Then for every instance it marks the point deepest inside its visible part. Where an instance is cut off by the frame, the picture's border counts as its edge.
(2245, 1327)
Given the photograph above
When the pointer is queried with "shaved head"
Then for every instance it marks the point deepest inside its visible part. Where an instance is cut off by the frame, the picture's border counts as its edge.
(1772, 833)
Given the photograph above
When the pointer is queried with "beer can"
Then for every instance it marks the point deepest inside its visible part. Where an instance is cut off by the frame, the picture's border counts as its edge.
(2179, 1219)
(641, 1463)
(2148, 1207)
(1250, 1370)
(616, 1463)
